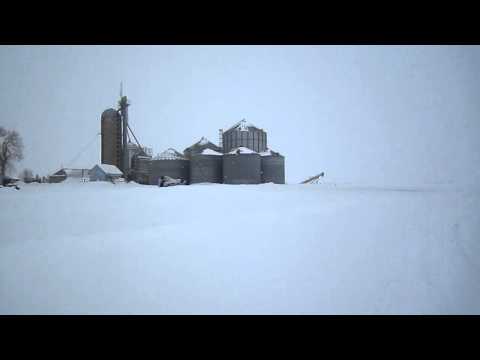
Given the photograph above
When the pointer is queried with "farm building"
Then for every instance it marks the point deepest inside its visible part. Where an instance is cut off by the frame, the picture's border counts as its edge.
(64, 173)
(105, 172)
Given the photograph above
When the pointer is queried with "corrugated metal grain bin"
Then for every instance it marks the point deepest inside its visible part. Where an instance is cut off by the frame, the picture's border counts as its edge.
(244, 134)
(169, 163)
(141, 168)
(273, 169)
(242, 168)
(206, 168)
(176, 169)
(199, 146)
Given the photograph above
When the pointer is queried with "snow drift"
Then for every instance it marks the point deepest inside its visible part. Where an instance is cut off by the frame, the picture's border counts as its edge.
(100, 248)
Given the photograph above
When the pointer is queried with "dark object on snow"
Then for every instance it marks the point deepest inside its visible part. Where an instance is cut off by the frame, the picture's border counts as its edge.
(8, 181)
(168, 181)
(172, 168)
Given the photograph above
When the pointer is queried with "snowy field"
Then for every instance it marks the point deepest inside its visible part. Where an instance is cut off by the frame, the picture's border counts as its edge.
(99, 248)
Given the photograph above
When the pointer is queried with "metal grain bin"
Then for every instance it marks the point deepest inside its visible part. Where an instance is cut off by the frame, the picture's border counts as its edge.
(206, 168)
(242, 168)
(273, 169)
(177, 169)
(199, 146)
(244, 134)
(141, 168)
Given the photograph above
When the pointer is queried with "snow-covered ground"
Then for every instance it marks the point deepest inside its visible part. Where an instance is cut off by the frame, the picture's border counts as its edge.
(82, 248)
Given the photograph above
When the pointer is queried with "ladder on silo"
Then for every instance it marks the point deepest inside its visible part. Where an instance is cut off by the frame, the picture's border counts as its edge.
(220, 138)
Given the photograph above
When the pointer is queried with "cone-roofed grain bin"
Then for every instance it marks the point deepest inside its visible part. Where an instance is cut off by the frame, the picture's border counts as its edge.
(242, 166)
(169, 163)
(273, 167)
(199, 146)
(244, 134)
(206, 167)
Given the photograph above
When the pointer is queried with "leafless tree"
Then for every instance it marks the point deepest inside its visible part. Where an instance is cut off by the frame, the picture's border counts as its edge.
(11, 149)
(27, 175)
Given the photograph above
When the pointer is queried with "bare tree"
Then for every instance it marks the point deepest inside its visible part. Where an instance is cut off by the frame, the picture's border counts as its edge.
(27, 175)
(11, 149)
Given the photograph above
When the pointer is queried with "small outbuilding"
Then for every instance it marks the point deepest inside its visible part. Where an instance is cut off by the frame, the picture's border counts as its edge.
(80, 174)
(105, 172)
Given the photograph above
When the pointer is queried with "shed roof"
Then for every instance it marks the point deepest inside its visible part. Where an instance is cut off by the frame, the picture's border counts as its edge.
(109, 169)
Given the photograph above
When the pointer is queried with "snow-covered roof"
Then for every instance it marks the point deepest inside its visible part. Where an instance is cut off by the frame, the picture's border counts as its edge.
(210, 152)
(203, 141)
(76, 172)
(169, 154)
(110, 169)
(269, 152)
(242, 125)
(242, 150)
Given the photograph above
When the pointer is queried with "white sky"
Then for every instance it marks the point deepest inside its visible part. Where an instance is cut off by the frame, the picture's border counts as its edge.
(395, 114)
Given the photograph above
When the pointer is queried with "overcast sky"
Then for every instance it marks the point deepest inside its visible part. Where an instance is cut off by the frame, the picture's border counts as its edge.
(386, 114)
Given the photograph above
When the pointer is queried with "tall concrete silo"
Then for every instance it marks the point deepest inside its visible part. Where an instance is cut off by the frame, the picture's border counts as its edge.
(111, 130)
(244, 134)
(242, 166)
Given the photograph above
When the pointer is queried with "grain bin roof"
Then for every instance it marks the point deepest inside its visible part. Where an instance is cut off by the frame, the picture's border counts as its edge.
(169, 154)
(242, 150)
(269, 152)
(110, 113)
(210, 152)
(242, 125)
(203, 143)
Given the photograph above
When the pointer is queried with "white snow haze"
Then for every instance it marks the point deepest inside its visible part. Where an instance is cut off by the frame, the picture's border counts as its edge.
(392, 228)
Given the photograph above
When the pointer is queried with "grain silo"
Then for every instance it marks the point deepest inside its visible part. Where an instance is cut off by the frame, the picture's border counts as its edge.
(244, 134)
(141, 168)
(199, 146)
(169, 163)
(206, 167)
(111, 130)
(242, 166)
(273, 167)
